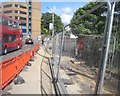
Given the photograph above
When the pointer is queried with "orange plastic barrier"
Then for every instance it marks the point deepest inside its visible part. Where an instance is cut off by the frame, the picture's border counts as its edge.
(12, 66)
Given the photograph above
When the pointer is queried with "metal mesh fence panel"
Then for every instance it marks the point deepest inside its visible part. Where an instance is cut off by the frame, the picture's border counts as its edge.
(87, 50)
(57, 47)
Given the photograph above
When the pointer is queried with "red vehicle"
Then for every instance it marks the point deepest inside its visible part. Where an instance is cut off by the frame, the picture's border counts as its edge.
(10, 34)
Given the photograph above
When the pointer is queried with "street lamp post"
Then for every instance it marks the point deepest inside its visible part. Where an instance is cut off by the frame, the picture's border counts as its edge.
(52, 21)
(52, 32)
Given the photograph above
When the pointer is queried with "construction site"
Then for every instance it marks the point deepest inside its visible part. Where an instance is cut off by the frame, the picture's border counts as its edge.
(65, 64)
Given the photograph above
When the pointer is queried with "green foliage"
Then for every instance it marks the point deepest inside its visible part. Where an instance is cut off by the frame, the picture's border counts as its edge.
(46, 19)
(93, 23)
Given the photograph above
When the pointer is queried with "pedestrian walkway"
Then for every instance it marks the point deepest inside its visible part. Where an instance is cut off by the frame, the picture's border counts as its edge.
(36, 75)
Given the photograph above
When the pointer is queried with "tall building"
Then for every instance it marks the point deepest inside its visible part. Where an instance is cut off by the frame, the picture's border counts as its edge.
(17, 10)
(27, 12)
(34, 17)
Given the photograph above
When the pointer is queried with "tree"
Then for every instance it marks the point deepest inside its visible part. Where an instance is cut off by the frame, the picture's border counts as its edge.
(46, 19)
(93, 23)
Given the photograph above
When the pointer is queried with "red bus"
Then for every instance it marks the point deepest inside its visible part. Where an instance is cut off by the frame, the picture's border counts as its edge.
(10, 34)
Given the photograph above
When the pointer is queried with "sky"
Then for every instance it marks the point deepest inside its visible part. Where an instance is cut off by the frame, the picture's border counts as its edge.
(63, 8)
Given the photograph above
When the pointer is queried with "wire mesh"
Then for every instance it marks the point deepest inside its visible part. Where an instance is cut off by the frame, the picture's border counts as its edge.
(57, 42)
(87, 50)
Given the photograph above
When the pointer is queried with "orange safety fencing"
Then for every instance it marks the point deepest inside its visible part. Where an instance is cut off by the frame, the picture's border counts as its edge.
(12, 66)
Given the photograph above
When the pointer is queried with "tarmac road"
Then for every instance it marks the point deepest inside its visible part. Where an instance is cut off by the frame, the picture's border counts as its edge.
(16, 52)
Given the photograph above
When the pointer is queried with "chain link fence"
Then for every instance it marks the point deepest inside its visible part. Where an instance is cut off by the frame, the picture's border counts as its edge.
(54, 46)
(87, 50)
(57, 45)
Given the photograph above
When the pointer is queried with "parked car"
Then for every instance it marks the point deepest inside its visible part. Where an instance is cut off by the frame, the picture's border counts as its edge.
(28, 40)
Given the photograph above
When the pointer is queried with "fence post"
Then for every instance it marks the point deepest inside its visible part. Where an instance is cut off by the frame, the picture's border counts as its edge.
(105, 50)
(118, 57)
(109, 32)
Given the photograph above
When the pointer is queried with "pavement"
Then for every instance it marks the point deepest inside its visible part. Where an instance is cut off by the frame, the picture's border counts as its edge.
(36, 76)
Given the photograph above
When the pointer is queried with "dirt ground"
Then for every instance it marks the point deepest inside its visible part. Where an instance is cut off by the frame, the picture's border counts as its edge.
(80, 78)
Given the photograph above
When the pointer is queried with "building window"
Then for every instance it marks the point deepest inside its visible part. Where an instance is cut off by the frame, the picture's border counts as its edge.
(23, 24)
(20, 6)
(23, 30)
(30, 14)
(21, 12)
(30, 9)
(8, 11)
(16, 17)
(8, 5)
(30, 3)
(10, 16)
(23, 7)
(16, 11)
(16, 5)
(29, 24)
(22, 18)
